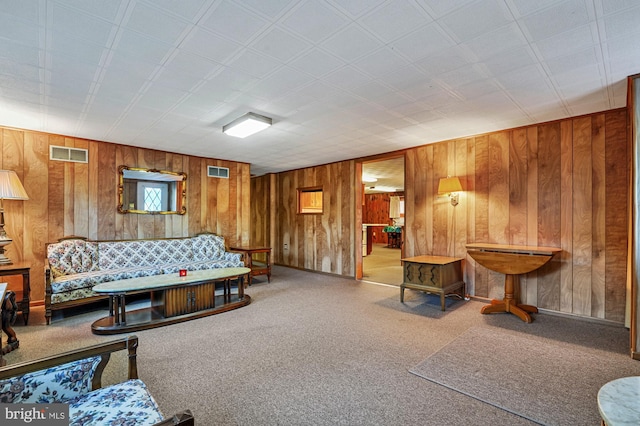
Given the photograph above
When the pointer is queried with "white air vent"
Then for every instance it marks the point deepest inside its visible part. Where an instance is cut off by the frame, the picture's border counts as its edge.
(218, 172)
(62, 153)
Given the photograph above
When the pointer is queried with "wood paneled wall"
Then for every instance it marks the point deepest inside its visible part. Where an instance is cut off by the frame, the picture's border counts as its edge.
(320, 242)
(376, 210)
(562, 184)
(80, 199)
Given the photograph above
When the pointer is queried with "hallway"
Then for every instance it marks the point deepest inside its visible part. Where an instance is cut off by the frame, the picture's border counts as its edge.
(382, 265)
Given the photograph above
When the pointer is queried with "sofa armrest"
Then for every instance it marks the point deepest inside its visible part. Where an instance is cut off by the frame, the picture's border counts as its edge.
(184, 418)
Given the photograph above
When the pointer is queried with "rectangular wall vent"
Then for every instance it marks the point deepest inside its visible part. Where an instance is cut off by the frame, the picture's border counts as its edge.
(218, 172)
(62, 153)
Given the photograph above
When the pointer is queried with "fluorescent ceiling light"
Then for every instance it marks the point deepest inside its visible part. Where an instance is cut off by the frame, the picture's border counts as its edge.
(368, 179)
(246, 125)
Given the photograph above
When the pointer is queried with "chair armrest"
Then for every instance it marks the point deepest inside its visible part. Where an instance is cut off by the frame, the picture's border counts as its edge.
(102, 349)
(184, 418)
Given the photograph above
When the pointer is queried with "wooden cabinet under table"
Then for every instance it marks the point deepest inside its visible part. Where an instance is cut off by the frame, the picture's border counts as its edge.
(258, 265)
(433, 274)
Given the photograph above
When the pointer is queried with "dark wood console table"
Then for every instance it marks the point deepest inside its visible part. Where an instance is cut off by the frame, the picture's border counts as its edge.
(433, 274)
(511, 260)
(258, 267)
(20, 268)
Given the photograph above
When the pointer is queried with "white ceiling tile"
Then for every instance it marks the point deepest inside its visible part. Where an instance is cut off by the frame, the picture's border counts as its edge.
(271, 9)
(13, 69)
(315, 21)
(494, 42)
(566, 43)
(104, 9)
(486, 16)
(255, 64)
(622, 23)
(187, 9)
(279, 83)
(186, 63)
(382, 61)
(280, 45)
(351, 43)
(347, 77)
(509, 61)
(356, 8)
(563, 64)
(84, 26)
(317, 63)
(155, 23)
(24, 32)
(23, 10)
(76, 49)
(234, 22)
(557, 19)
(206, 44)
(142, 47)
(424, 41)
(406, 78)
(439, 8)
(395, 19)
(527, 7)
(444, 61)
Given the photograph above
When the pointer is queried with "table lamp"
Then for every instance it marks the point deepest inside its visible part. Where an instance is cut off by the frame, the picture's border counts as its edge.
(10, 189)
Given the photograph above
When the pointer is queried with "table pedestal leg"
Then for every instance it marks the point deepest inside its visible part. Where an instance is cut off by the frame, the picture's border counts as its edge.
(509, 303)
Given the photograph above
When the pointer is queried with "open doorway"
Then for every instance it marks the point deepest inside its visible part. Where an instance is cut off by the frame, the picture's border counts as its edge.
(383, 220)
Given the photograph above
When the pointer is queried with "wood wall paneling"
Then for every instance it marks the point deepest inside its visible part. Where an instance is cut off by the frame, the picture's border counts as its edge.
(561, 184)
(80, 199)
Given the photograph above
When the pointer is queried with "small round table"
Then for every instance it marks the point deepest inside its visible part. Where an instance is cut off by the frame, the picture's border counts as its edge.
(618, 401)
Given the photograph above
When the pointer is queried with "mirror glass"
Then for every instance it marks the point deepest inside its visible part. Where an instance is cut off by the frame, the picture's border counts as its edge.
(151, 191)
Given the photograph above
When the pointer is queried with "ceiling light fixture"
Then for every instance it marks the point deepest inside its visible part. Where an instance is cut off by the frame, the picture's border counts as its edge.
(368, 179)
(247, 125)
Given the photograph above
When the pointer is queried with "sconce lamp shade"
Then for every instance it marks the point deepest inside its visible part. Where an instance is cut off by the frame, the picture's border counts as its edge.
(247, 125)
(448, 185)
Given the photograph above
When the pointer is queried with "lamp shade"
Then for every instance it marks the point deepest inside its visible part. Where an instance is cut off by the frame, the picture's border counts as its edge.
(448, 185)
(10, 186)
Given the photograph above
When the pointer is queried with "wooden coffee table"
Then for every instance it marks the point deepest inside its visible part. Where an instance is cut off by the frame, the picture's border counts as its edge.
(173, 299)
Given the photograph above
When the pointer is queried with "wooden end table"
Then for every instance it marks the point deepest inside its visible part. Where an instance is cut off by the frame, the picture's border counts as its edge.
(433, 274)
(257, 267)
(20, 268)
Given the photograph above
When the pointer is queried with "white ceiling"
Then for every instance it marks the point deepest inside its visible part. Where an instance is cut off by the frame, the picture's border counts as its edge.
(340, 78)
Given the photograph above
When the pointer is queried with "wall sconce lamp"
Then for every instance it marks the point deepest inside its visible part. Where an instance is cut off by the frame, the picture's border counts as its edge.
(10, 189)
(246, 125)
(450, 186)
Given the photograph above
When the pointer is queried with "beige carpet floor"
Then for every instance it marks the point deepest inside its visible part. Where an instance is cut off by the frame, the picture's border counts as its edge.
(313, 349)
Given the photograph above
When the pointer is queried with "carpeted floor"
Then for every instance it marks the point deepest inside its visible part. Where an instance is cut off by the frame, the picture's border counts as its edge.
(313, 349)
(382, 265)
(503, 369)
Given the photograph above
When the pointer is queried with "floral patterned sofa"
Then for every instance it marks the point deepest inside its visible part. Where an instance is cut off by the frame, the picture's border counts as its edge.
(74, 264)
(75, 378)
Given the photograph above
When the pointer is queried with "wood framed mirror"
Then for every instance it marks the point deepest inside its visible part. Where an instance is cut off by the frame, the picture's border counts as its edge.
(151, 191)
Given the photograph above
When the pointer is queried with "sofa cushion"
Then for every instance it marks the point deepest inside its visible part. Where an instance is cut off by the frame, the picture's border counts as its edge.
(53, 385)
(89, 279)
(72, 256)
(143, 253)
(207, 246)
(128, 403)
